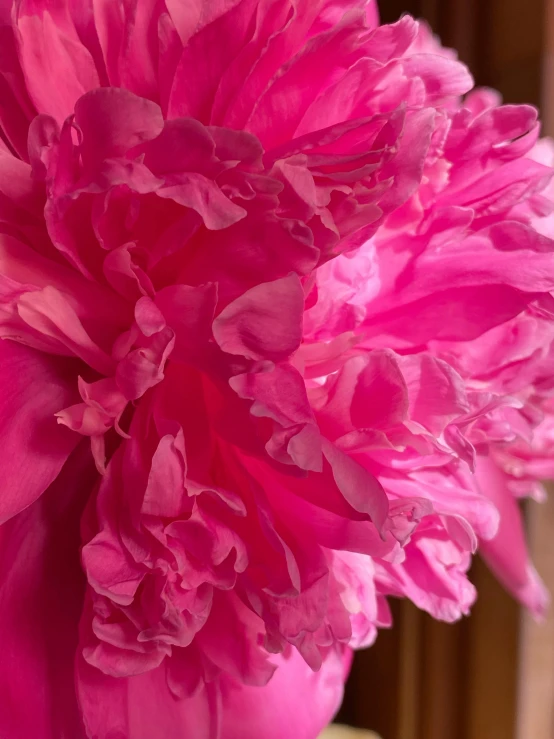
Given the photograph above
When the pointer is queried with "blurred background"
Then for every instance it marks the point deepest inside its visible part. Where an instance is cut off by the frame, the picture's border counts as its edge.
(492, 675)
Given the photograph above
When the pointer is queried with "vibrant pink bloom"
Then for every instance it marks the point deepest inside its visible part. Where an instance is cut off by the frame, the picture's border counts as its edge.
(277, 316)
(462, 273)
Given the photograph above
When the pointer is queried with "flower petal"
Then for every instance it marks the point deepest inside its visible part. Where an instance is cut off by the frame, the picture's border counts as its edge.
(34, 447)
(41, 590)
(506, 554)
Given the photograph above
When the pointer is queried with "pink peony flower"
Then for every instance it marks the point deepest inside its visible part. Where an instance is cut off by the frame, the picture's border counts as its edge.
(479, 223)
(276, 312)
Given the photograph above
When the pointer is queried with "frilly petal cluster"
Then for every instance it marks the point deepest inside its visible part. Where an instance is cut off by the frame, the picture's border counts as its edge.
(277, 330)
(460, 277)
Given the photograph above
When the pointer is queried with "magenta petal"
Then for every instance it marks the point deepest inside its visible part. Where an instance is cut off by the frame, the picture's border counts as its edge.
(189, 311)
(507, 554)
(34, 446)
(47, 55)
(296, 702)
(16, 110)
(113, 121)
(41, 591)
(360, 488)
(372, 12)
(141, 707)
(265, 322)
(223, 27)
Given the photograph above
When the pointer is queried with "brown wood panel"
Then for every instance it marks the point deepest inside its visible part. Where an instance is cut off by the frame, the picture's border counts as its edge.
(516, 48)
(536, 671)
(547, 91)
(443, 681)
(391, 10)
(428, 680)
(371, 699)
(491, 669)
(502, 41)
(410, 636)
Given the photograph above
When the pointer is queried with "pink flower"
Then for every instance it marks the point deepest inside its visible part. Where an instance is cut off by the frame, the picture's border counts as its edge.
(472, 246)
(275, 304)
